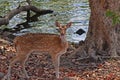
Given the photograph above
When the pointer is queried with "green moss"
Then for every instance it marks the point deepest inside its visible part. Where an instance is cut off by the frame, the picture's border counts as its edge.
(114, 16)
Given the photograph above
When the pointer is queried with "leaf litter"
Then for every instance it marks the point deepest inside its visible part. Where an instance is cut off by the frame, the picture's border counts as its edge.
(40, 67)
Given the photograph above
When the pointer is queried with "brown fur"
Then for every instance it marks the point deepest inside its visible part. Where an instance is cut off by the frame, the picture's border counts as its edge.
(55, 45)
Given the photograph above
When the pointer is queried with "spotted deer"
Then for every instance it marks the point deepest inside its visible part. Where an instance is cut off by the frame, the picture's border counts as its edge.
(54, 44)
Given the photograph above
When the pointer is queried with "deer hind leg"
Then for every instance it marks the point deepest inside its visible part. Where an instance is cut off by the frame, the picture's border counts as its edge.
(12, 61)
(56, 63)
(21, 58)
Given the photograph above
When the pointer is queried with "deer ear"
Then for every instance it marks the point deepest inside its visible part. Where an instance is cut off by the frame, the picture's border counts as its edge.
(57, 24)
(69, 24)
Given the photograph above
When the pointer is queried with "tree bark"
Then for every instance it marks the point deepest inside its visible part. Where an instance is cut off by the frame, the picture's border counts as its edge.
(103, 38)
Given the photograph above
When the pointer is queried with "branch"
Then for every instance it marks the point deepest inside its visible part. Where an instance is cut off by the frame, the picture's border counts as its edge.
(12, 13)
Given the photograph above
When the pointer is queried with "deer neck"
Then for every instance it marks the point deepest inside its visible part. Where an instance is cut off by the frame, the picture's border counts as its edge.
(64, 41)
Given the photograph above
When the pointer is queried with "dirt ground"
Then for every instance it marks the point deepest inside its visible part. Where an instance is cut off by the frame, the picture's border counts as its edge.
(40, 67)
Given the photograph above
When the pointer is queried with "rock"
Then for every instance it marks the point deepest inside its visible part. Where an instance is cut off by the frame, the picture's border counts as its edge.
(80, 31)
(1, 75)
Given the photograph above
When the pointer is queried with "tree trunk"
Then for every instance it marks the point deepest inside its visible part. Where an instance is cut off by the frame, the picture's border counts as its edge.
(103, 38)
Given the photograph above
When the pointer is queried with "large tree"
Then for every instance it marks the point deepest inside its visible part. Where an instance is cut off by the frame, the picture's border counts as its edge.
(103, 37)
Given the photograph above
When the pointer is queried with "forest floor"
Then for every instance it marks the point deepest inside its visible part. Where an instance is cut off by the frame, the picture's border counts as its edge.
(40, 67)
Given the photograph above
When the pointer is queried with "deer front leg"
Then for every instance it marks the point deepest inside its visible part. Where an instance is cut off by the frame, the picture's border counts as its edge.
(56, 63)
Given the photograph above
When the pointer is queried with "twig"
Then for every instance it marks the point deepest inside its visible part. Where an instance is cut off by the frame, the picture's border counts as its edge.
(12, 13)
